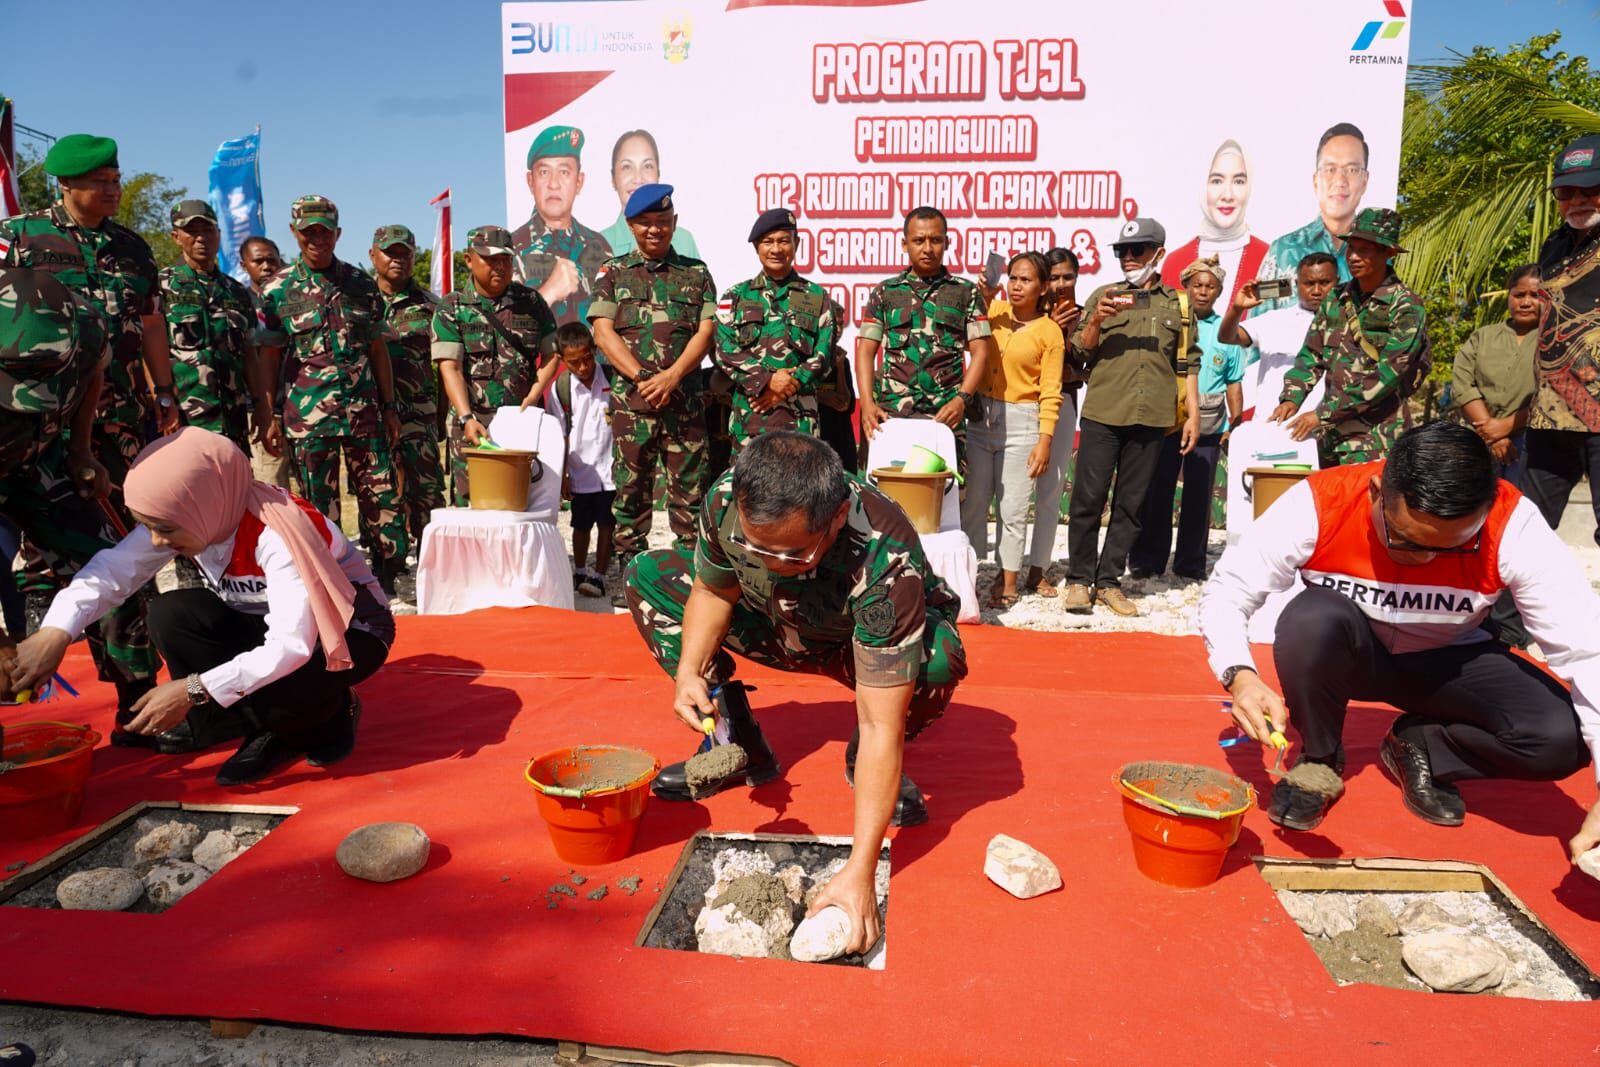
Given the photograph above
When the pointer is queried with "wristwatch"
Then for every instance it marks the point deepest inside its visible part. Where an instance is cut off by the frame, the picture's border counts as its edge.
(163, 400)
(390, 405)
(967, 398)
(1233, 672)
(462, 420)
(197, 692)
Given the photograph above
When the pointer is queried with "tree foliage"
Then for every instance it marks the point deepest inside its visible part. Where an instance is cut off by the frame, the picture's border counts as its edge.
(424, 265)
(1476, 151)
(146, 201)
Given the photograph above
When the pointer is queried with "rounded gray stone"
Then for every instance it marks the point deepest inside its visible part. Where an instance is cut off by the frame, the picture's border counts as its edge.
(384, 851)
(100, 889)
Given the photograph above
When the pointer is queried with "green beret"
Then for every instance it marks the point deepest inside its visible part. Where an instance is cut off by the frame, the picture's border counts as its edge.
(79, 153)
(556, 141)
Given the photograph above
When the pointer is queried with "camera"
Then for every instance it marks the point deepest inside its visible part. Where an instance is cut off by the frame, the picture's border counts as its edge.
(1274, 288)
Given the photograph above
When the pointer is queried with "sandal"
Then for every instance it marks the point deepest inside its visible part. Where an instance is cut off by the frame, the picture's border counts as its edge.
(1003, 601)
(1044, 587)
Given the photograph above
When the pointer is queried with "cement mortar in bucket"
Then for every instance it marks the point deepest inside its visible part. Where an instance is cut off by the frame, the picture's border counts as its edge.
(919, 494)
(499, 478)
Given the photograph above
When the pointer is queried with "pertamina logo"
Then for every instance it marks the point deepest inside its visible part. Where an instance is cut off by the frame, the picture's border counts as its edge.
(675, 34)
(1373, 32)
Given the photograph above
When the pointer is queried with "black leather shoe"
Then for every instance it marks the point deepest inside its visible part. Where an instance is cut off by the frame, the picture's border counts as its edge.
(1295, 808)
(733, 706)
(910, 807)
(1407, 762)
(259, 756)
(342, 736)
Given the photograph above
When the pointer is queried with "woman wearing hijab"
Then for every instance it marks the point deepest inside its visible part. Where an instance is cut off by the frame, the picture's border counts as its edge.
(290, 617)
(1224, 234)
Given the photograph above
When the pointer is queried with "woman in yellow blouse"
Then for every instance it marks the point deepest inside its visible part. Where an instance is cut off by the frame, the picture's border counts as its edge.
(1009, 438)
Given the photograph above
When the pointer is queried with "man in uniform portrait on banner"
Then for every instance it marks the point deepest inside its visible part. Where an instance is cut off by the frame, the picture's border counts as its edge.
(1339, 181)
(555, 253)
(636, 161)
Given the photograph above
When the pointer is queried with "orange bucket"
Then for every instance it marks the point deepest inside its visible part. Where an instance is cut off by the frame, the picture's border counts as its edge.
(591, 798)
(43, 792)
(1183, 819)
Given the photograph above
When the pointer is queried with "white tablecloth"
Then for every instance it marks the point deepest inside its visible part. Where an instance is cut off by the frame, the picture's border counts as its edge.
(491, 559)
(951, 556)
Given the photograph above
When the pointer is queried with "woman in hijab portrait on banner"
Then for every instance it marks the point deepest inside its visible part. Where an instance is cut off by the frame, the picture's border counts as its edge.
(288, 620)
(1224, 233)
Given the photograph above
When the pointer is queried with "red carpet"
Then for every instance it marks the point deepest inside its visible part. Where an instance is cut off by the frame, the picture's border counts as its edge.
(1114, 968)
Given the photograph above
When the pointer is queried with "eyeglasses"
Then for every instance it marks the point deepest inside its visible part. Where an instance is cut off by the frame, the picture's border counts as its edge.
(1572, 192)
(1403, 545)
(808, 559)
(1335, 170)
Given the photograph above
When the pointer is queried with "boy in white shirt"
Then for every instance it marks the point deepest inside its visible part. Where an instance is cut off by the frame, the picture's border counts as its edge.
(581, 399)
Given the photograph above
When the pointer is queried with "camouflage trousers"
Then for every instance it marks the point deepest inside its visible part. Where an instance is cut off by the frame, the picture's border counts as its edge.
(421, 477)
(372, 481)
(232, 423)
(63, 530)
(677, 437)
(1336, 449)
(798, 415)
(926, 407)
(658, 584)
(460, 484)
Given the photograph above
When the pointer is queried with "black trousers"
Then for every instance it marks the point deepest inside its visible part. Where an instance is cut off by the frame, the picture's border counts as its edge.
(1154, 543)
(195, 631)
(1483, 712)
(1557, 461)
(1126, 454)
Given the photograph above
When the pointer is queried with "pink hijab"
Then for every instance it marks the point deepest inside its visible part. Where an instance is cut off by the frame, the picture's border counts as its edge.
(200, 481)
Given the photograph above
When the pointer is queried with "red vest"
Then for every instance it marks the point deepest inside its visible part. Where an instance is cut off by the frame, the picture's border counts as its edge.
(1411, 607)
(243, 565)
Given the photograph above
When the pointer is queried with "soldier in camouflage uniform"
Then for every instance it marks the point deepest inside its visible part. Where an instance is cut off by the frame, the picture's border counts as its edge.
(653, 316)
(54, 351)
(211, 322)
(408, 309)
(328, 316)
(925, 318)
(775, 337)
(488, 342)
(111, 267)
(1370, 338)
(803, 568)
(557, 254)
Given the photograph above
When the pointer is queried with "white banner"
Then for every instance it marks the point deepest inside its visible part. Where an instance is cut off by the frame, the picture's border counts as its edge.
(1031, 125)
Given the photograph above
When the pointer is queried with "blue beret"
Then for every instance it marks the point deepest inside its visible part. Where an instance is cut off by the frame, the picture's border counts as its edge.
(778, 218)
(649, 198)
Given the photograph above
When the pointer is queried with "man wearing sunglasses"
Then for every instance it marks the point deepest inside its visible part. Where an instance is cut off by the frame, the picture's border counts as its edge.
(802, 567)
(1402, 560)
(1564, 423)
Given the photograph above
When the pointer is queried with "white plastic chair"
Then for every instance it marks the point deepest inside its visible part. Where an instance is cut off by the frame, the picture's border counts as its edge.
(504, 559)
(949, 552)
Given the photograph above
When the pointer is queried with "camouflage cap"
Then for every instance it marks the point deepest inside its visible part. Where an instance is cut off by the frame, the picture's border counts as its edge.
(1380, 225)
(556, 141)
(313, 211)
(490, 241)
(389, 236)
(1578, 163)
(79, 153)
(655, 197)
(38, 339)
(186, 211)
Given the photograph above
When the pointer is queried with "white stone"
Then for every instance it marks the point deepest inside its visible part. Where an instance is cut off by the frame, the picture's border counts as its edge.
(101, 889)
(725, 931)
(168, 841)
(733, 863)
(793, 878)
(1333, 914)
(171, 880)
(1424, 917)
(1019, 869)
(217, 850)
(384, 851)
(1302, 908)
(1589, 863)
(821, 937)
(1454, 963)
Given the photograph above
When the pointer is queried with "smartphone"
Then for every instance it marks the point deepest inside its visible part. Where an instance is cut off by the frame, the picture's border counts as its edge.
(1138, 298)
(1274, 288)
(993, 267)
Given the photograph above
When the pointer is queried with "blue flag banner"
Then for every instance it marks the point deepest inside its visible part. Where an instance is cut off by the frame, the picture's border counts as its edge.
(236, 198)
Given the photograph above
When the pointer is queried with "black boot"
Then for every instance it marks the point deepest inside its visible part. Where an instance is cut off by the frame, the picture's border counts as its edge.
(910, 809)
(1302, 809)
(1404, 753)
(733, 707)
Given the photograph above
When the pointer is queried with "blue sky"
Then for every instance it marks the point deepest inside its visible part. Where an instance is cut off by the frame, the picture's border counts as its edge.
(381, 107)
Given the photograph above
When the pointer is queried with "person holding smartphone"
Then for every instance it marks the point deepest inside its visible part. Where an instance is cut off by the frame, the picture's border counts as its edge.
(1138, 341)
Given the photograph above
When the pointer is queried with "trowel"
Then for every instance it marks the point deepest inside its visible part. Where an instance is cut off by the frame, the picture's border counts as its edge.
(1276, 739)
(714, 726)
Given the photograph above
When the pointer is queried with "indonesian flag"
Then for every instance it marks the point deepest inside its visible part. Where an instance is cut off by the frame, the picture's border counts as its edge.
(441, 277)
(10, 196)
